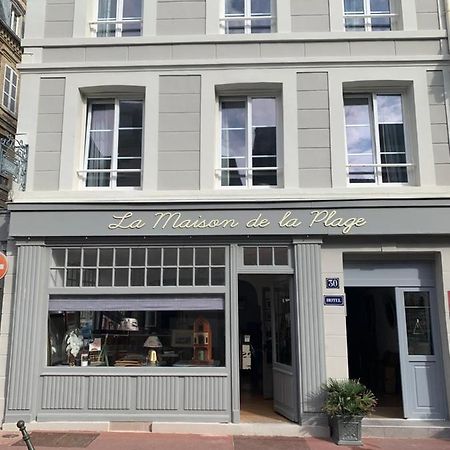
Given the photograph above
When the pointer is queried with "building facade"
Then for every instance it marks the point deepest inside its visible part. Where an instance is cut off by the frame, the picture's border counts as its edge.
(229, 201)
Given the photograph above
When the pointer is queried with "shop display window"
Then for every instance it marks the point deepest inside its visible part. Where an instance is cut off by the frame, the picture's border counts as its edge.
(128, 338)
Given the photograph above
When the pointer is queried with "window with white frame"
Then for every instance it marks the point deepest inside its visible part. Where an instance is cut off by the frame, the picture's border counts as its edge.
(113, 155)
(249, 141)
(368, 15)
(16, 21)
(118, 18)
(375, 134)
(248, 16)
(10, 89)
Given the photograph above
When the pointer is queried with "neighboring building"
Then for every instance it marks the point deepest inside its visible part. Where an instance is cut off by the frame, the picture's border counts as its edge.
(228, 201)
(12, 15)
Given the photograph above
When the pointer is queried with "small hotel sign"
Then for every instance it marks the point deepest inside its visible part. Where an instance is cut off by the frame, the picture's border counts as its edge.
(334, 300)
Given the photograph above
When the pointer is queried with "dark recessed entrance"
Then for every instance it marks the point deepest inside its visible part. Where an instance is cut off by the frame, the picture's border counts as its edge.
(373, 347)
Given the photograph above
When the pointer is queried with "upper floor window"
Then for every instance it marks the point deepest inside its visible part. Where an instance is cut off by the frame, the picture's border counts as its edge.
(114, 143)
(375, 132)
(10, 89)
(368, 15)
(248, 16)
(16, 21)
(118, 18)
(249, 141)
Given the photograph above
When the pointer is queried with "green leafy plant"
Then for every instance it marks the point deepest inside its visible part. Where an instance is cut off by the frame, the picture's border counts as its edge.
(348, 398)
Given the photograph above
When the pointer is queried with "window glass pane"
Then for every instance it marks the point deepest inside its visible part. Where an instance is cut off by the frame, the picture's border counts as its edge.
(153, 277)
(234, 144)
(97, 179)
(381, 23)
(235, 27)
(233, 114)
(90, 257)
(261, 7)
(359, 140)
(389, 108)
(186, 277)
(121, 277)
(186, 256)
(233, 178)
(394, 175)
(261, 25)
(265, 256)
(169, 277)
(74, 257)
(354, 6)
(122, 257)
(379, 6)
(218, 256)
(129, 179)
(234, 7)
(137, 338)
(105, 277)
(264, 112)
(250, 256)
(107, 9)
(202, 256)
(418, 323)
(89, 277)
(264, 178)
(132, 9)
(281, 256)
(392, 138)
(170, 257)
(106, 256)
(137, 277)
(130, 114)
(218, 276)
(201, 276)
(57, 277)
(59, 257)
(138, 257)
(154, 256)
(282, 311)
(357, 111)
(130, 143)
(73, 277)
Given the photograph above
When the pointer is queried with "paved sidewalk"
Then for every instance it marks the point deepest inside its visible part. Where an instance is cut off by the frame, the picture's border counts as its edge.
(150, 441)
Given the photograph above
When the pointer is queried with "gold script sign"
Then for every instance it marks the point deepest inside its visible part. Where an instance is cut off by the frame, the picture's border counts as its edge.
(288, 220)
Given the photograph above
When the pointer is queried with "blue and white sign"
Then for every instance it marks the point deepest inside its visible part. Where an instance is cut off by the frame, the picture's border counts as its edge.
(332, 283)
(334, 300)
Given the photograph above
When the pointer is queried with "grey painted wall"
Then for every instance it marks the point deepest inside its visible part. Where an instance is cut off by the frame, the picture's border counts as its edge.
(179, 133)
(49, 134)
(59, 16)
(181, 17)
(427, 14)
(439, 126)
(310, 15)
(313, 130)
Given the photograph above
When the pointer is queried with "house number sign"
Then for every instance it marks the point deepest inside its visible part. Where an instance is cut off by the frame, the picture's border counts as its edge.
(332, 283)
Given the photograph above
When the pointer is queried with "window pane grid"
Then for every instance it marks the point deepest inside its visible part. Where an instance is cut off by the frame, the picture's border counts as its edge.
(272, 256)
(144, 266)
(116, 19)
(365, 15)
(247, 17)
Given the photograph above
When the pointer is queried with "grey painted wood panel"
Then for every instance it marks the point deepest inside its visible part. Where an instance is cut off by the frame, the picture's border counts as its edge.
(179, 142)
(439, 126)
(109, 392)
(307, 15)
(62, 393)
(59, 18)
(178, 17)
(206, 393)
(310, 310)
(157, 393)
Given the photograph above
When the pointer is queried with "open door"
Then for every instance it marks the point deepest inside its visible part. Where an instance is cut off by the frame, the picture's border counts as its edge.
(284, 380)
(420, 354)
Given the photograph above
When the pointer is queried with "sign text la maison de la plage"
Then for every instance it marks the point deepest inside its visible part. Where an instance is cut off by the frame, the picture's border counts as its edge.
(247, 222)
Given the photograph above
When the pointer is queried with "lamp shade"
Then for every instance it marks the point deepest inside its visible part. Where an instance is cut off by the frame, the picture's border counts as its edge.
(152, 342)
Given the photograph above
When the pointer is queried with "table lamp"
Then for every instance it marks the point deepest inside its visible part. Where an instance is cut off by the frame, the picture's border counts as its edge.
(152, 343)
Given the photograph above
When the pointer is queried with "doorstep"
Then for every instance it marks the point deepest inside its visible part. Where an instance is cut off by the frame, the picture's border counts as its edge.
(405, 428)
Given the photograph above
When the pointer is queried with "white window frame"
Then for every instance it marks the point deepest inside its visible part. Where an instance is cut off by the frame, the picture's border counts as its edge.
(247, 18)
(368, 16)
(16, 21)
(118, 22)
(249, 140)
(376, 152)
(10, 99)
(113, 170)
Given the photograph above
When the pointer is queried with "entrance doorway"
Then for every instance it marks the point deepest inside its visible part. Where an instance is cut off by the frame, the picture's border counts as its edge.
(373, 347)
(394, 348)
(267, 380)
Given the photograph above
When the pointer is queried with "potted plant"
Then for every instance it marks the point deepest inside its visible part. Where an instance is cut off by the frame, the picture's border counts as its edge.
(346, 403)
